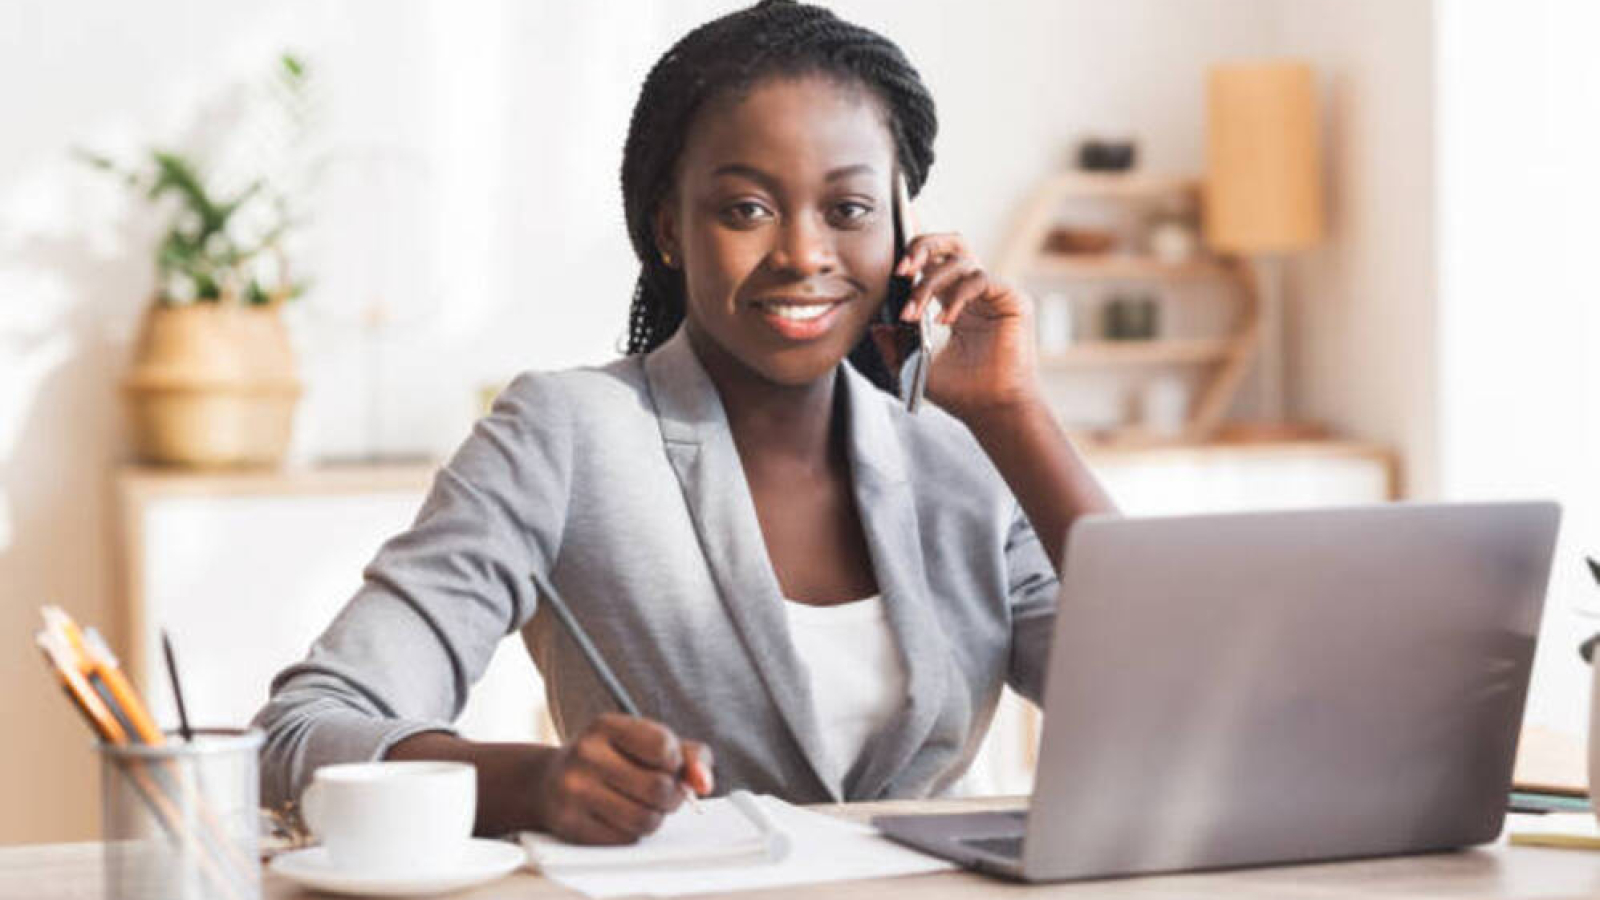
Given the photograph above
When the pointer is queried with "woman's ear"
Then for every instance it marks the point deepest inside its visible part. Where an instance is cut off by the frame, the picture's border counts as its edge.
(665, 225)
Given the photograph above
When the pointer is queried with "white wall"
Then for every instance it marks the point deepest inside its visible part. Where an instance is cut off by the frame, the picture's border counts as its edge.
(1519, 136)
(504, 121)
(1362, 324)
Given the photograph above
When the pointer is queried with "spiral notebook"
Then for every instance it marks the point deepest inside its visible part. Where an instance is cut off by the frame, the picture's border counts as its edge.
(734, 830)
(738, 843)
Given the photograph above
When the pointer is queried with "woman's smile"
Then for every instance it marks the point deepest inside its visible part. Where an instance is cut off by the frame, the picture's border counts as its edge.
(801, 318)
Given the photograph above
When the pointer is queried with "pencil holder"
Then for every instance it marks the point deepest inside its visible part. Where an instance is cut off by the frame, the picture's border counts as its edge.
(180, 820)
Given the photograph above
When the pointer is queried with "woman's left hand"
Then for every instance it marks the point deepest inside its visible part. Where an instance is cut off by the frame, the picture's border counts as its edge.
(988, 364)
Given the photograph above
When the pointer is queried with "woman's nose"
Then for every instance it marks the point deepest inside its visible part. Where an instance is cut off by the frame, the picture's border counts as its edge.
(804, 247)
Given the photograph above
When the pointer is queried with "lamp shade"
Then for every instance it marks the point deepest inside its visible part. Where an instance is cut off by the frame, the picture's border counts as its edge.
(1263, 190)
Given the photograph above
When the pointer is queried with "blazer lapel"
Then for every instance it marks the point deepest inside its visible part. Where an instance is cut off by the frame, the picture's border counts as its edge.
(694, 429)
(887, 507)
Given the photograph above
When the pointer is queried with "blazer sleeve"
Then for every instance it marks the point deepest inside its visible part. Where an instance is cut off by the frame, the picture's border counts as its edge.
(1032, 590)
(434, 604)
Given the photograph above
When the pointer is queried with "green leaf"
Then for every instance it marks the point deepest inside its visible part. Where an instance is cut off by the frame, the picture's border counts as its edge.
(96, 160)
(176, 174)
(206, 287)
(226, 210)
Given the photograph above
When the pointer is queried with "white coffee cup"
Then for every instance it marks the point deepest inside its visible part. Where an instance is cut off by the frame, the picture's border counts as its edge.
(397, 818)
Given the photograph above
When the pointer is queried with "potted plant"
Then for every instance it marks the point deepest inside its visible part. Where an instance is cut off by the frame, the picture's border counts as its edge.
(214, 381)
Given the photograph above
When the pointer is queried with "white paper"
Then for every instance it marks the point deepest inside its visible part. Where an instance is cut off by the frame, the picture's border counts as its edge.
(823, 848)
(1576, 826)
(722, 834)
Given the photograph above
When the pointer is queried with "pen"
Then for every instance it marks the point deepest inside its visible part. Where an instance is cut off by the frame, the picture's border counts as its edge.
(177, 688)
(591, 653)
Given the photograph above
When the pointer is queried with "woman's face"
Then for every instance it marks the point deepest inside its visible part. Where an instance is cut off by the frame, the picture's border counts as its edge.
(781, 222)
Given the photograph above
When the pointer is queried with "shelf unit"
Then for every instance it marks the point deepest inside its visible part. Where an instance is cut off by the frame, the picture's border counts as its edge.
(1114, 353)
(1025, 260)
(1122, 267)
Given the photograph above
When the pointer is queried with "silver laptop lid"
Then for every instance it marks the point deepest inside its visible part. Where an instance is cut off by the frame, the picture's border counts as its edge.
(1267, 687)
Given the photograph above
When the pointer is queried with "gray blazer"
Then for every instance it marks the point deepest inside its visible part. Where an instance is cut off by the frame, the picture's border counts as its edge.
(624, 485)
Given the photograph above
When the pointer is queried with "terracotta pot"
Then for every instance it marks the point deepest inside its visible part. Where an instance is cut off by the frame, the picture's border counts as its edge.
(213, 384)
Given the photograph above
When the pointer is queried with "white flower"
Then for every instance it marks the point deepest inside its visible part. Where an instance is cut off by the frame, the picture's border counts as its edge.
(179, 288)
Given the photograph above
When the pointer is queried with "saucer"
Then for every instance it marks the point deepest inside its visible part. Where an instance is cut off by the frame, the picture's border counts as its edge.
(482, 861)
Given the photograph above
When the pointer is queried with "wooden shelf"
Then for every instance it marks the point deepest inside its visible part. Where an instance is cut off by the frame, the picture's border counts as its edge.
(1110, 267)
(1226, 357)
(1140, 353)
(143, 481)
(1129, 445)
(1121, 186)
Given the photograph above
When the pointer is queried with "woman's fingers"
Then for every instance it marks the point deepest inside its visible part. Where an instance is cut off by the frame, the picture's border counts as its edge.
(590, 828)
(936, 280)
(648, 743)
(972, 285)
(942, 261)
(925, 248)
(575, 817)
(626, 816)
(651, 788)
(621, 777)
(699, 766)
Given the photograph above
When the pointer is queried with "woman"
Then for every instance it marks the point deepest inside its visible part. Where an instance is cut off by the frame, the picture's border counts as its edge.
(822, 590)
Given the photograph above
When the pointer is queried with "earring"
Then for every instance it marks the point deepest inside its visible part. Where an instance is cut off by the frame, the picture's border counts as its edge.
(666, 259)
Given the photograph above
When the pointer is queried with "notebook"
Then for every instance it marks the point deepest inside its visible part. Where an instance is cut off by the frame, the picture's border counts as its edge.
(734, 830)
(1572, 830)
(727, 849)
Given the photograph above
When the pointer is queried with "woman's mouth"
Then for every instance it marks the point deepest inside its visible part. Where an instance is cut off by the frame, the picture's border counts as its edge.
(800, 319)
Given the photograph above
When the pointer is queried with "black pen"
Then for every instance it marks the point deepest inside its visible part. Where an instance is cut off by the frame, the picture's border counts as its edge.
(177, 688)
(619, 694)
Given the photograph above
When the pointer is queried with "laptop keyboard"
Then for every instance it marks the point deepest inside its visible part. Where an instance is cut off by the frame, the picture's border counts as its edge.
(1010, 847)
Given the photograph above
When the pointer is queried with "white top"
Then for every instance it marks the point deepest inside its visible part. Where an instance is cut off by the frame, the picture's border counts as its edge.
(857, 678)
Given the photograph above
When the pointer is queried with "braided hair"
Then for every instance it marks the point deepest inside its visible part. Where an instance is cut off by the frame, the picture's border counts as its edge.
(727, 57)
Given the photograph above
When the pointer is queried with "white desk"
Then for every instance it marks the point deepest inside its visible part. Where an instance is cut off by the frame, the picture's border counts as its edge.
(72, 872)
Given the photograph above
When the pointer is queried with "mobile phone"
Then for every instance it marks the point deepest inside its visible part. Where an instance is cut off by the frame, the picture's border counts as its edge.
(899, 285)
(903, 345)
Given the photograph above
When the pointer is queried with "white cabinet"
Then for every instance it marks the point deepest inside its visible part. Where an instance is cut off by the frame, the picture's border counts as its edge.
(1235, 477)
(244, 570)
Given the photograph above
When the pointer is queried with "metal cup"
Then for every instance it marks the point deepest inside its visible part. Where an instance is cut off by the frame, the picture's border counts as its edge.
(180, 820)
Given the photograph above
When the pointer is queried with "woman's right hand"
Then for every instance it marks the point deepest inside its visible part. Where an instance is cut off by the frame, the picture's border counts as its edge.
(617, 780)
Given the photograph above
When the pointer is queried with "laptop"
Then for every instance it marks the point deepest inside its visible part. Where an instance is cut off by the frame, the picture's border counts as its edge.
(1276, 687)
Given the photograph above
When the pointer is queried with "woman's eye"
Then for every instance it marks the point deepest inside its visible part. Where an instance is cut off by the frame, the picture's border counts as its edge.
(851, 212)
(745, 212)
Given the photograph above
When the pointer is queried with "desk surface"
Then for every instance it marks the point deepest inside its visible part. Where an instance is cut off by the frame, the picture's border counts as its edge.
(72, 872)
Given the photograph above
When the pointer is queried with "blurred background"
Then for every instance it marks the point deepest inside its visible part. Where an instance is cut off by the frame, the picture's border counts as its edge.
(1286, 252)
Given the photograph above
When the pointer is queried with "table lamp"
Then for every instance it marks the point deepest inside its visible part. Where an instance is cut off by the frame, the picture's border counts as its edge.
(1263, 192)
